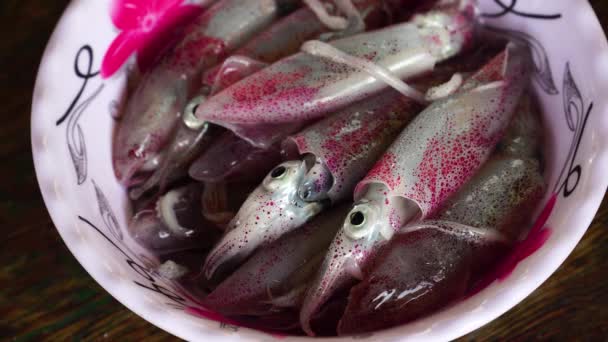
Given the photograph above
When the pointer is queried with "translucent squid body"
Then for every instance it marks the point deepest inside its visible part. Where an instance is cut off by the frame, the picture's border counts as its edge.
(230, 169)
(332, 156)
(283, 38)
(274, 279)
(155, 107)
(173, 223)
(439, 260)
(305, 87)
(431, 159)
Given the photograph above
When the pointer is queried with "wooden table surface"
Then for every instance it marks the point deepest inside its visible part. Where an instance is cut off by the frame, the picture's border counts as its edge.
(46, 294)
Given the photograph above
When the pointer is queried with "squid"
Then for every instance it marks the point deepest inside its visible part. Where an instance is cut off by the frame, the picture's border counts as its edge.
(192, 139)
(153, 111)
(309, 85)
(174, 222)
(525, 135)
(274, 279)
(283, 38)
(430, 161)
(331, 155)
(439, 260)
(325, 161)
(231, 159)
(231, 176)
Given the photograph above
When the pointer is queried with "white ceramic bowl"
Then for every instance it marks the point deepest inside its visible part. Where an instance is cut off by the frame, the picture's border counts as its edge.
(72, 122)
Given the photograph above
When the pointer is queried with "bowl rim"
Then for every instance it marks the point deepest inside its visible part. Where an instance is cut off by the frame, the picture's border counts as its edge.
(592, 202)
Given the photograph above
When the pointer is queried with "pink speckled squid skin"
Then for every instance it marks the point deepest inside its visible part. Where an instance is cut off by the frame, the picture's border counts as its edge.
(303, 87)
(351, 141)
(440, 262)
(189, 144)
(283, 38)
(274, 278)
(430, 160)
(153, 110)
(447, 143)
(272, 210)
(348, 143)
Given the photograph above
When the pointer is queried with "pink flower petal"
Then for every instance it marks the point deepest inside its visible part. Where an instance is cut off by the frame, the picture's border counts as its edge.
(165, 34)
(160, 6)
(119, 51)
(127, 14)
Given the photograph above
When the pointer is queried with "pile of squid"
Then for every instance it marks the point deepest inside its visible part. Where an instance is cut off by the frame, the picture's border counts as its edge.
(332, 167)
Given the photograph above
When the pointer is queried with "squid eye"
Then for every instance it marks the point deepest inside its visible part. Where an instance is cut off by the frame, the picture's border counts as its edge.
(278, 172)
(356, 227)
(357, 219)
(189, 119)
(283, 177)
(194, 109)
(359, 223)
(305, 194)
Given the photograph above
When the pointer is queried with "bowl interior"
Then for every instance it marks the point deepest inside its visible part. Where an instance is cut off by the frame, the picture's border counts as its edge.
(73, 118)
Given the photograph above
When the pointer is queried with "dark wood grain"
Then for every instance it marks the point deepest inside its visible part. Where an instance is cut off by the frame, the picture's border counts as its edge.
(45, 293)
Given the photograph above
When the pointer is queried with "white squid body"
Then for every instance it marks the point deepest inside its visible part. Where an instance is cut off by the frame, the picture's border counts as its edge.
(336, 153)
(275, 277)
(439, 260)
(154, 109)
(283, 38)
(174, 224)
(431, 159)
(303, 87)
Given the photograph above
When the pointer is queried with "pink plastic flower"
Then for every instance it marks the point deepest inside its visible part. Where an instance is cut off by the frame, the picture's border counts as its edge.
(147, 27)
